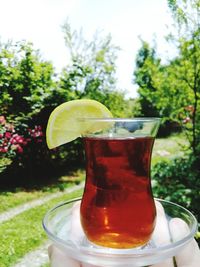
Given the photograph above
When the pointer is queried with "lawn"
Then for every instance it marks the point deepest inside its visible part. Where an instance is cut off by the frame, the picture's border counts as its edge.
(24, 232)
(169, 148)
(10, 199)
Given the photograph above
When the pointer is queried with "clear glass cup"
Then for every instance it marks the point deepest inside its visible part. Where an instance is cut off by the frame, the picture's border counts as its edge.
(117, 208)
(112, 224)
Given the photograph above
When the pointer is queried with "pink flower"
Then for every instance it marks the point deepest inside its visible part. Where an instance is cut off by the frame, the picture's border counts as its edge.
(13, 141)
(186, 120)
(17, 139)
(3, 149)
(19, 149)
(38, 127)
(7, 135)
(39, 140)
(36, 132)
(25, 142)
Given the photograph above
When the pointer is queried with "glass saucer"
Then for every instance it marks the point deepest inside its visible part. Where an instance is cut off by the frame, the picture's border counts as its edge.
(62, 225)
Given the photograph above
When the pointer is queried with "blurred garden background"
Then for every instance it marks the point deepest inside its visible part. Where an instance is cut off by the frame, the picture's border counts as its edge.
(30, 89)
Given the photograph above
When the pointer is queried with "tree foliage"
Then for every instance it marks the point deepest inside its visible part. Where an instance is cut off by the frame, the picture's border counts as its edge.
(92, 72)
(147, 70)
(25, 80)
(172, 90)
(187, 18)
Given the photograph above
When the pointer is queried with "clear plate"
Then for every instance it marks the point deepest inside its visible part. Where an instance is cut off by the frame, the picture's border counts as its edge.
(62, 225)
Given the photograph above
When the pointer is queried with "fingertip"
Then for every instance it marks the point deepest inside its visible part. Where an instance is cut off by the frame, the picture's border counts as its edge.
(178, 229)
(190, 254)
(59, 259)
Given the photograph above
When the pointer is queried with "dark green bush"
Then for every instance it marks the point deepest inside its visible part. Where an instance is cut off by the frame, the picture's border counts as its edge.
(178, 181)
(28, 158)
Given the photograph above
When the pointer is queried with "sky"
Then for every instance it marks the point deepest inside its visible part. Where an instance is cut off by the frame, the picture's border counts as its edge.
(41, 21)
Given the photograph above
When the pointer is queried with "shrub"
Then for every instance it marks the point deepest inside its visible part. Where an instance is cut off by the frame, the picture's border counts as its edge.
(15, 140)
(23, 149)
(26, 80)
(178, 181)
(11, 143)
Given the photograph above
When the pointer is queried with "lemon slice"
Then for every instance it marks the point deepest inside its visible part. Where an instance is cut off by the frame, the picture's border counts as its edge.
(66, 122)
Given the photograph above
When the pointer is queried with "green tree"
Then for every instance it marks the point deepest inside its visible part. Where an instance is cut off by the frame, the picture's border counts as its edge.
(171, 90)
(159, 92)
(25, 80)
(146, 77)
(186, 17)
(92, 72)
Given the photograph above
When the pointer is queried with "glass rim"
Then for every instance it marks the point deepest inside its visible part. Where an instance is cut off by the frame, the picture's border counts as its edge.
(117, 119)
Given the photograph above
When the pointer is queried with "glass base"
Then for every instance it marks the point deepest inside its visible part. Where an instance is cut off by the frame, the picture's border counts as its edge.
(63, 227)
(87, 243)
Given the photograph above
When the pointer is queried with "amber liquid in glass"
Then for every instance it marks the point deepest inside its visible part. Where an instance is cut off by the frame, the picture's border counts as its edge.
(117, 208)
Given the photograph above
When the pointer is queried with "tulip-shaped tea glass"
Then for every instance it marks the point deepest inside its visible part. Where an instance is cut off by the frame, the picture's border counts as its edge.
(117, 208)
(111, 225)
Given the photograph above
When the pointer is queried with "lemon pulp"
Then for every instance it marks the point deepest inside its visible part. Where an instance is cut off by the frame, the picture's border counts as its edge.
(65, 124)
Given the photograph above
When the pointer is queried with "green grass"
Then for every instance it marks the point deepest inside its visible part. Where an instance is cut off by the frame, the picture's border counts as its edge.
(168, 148)
(45, 265)
(4, 162)
(10, 199)
(24, 232)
